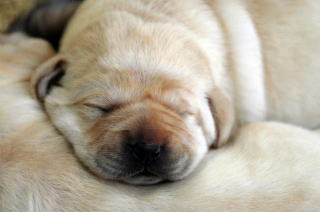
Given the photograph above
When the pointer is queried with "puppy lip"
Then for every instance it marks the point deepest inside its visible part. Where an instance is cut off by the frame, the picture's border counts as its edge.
(142, 172)
(140, 179)
(145, 173)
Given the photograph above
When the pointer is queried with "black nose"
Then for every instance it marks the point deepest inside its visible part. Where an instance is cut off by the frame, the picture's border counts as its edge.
(145, 152)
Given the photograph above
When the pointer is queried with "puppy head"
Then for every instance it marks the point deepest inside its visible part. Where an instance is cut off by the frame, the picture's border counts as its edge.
(128, 125)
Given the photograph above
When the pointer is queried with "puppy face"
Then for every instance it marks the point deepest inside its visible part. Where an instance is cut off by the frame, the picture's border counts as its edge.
(127, 124)
(132, 98)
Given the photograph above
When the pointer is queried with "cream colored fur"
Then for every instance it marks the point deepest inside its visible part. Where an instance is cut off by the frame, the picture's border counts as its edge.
(273, 49)
(254, 60)
(268, 49)
(266, 167)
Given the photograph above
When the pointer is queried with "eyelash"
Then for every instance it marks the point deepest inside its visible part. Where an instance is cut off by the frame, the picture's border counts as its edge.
(185, 114)
(109, 109)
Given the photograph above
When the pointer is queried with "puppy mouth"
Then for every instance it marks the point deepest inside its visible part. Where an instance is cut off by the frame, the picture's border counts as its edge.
(145, 173)
(144, 177)
(141, 176)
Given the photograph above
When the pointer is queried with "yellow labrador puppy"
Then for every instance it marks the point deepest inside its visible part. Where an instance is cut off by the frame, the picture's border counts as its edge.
(267, 167)
(143, 88)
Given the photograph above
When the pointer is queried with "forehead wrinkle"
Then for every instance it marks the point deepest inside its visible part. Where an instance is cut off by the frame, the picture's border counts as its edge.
(89, 85)
(89, 80)
(167, 91)
(123, 85)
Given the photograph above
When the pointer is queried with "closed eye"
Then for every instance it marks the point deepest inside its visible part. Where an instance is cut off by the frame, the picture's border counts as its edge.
(184, 114)
(104, 109)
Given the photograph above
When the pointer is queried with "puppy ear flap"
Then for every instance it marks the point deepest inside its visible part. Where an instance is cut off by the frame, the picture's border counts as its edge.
(46, 76)
(224, 115)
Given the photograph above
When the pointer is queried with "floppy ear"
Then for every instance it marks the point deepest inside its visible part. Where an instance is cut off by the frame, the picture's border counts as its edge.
(47, 76)
(224, 115)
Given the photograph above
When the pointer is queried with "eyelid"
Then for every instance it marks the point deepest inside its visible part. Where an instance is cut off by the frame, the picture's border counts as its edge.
(186, 113)
(183, 112)
(104, 109)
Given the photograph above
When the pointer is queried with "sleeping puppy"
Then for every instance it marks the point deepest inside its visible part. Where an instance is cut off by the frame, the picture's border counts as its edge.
(267, 167)
(142, 89)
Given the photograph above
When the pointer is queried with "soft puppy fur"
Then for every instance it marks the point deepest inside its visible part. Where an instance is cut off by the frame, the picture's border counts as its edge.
(142, 89)
(267, 167)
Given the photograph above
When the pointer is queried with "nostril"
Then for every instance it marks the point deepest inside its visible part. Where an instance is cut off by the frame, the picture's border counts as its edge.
(145, 152)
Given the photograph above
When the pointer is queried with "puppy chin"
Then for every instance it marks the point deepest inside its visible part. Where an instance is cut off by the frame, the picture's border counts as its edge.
(143, 180)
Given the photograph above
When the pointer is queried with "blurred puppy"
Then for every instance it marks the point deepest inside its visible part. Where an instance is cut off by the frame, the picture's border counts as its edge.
(267, 167)
(142, 89)
(11, 9)
(46, 18)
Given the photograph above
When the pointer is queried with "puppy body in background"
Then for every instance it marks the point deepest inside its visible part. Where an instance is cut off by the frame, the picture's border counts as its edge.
(267, 167)
(11, 9)
(146, 87)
